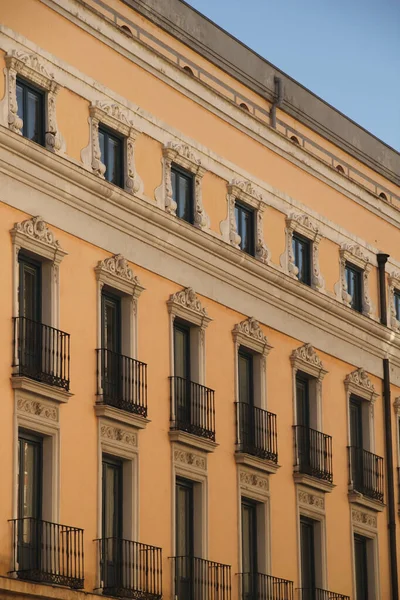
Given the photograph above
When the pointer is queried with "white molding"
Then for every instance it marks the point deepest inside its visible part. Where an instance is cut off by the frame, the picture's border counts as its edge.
(186, 305)
(359, 384)
(302, 224)
(354, 255)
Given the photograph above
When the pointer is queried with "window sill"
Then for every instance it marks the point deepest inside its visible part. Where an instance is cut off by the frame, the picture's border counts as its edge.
(122, 416)
(313, 482)
(40, 389)
(266, 466)
(358, 498)
(193, 441)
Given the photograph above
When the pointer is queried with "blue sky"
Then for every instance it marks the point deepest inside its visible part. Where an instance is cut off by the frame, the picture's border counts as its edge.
(346, 51)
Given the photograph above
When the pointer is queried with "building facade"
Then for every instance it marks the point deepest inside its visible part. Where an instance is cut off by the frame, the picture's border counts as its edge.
(200, 318)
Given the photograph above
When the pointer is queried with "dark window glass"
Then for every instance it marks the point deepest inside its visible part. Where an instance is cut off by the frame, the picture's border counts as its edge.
(181, 350)
(112, 498)
(182, 193)
(249, 549)
(111, 322)
(29, 288)
(360, 556)
(30, 102)
(302, 258)
(111, 148)
(307, 554)
(245, 227)
(302, 400)
(245, 368)
(397, 303)
(184, 541)
(354, 286)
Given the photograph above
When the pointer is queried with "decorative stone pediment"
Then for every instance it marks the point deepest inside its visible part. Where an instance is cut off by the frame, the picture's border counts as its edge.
(118, 434)
(186, 305)
(246, 191)
(394, 284)
(305, 226)
(359, 384)
(249, 334)
(354, 255)
(253, 484)
(310, 501)
(115, 272)
(36, 408)
(31, 66)
(183, 155)
(364, 520)
(34, 235)
(307, 360)
(190, 460)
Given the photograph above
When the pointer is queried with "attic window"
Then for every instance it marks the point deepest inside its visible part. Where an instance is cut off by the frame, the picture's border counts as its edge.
(340, 169)
(383, 196)
(188, 70)
(127, 30)
(244, 106)
(295, 140)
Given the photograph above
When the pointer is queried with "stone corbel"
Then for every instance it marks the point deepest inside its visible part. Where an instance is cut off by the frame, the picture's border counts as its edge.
(355, 256)
(394, 284)
(305, 226)
(32, 69)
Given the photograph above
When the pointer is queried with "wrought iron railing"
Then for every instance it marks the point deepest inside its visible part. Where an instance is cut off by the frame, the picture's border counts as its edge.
(130, 569)
(123, 382)
(319, 594)
(257, 586)
(192, 408)
(47, 552)
(199, 579)
(256, 432)
(41, 352)
(313, 451)
(366, 473)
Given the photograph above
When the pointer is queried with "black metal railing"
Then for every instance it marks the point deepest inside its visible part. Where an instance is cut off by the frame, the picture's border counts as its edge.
(41, 352)
(123, 382)
(130, 569)
(313, 451)
(47, 552)
(366, 473)
(319, 594)
(257, 586)
(199, 579)
(256, 431)
(192, 408)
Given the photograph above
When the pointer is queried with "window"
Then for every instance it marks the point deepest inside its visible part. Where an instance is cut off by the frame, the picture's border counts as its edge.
(182, 192)
(361, 567)
(302, 258)
(396, 297)
(184, 542)
(249, 549)
(30, 102)
(112, 155)
(245, 227)
(354, 286)
(112, 522)
(308, 558)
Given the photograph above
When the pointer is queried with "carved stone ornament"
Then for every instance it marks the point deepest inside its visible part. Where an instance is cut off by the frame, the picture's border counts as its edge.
(307, 360)
(35, 235)
(37, 409)
(186, 304)
(248, 333)
(253, 482)
(311, 500)
(190, 459)
(115, 272)
(117, 434)
(248, 194)
(305, 226)
(183, 156)
(396, 406)
(359, 384)
(394, 286)
(118, 119)
(355, 256)
(32, 68)
(364, 519)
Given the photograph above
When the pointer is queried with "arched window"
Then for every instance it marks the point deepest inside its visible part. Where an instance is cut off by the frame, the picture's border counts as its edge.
(127, 30)
(383, 196)
(295, 140)
(244, 106)
(188, 70)
(340, 169)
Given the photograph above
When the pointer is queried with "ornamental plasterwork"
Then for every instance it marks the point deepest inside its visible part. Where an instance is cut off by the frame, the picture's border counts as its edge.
(355, 256)
(186, 304)
(394, 284)
(118, 119)
(115, 272)
(117, 434)
(190, 459)
(306, 227)
(364, 519)
(37, 409)
(33, 69)
(183, 156)
(311, 500)
(248, 333)
(359, 384)
(34, 235)
(396, 406)
(248, 194)
(307, 360)
(253, 483)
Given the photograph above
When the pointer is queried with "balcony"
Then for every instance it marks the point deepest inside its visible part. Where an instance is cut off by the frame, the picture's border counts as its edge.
(256, 433)
(47, 552)
(318, 594)
(366, 473)
(192, 408)
(123, 382)
(313, 452)
(41, 353)
(199, 579)
(130, 569)
(257, 586)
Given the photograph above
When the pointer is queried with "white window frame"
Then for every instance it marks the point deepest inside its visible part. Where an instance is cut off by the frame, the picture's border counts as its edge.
(365, 523)
(116, 118)
(306, 227)
(114, 273)
(183, 156)
(355, 256)
(245, 192)
(33, 69)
